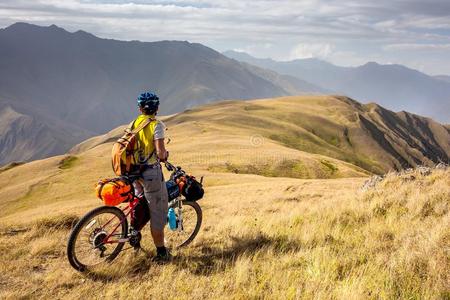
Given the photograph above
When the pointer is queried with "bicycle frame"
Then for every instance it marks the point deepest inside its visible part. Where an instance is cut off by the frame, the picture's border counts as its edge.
(177, 202)
(126, 210)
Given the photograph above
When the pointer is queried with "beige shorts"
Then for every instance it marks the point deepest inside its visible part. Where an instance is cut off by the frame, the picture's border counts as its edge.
(156, 194)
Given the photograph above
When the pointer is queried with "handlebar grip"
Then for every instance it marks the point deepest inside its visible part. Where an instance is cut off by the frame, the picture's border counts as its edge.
(169, 166)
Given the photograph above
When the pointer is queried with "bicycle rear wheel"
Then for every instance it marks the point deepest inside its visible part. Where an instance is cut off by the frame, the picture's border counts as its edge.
(95, 238)
(187, 228)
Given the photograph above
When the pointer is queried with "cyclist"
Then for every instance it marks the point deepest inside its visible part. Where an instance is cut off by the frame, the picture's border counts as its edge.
(149, 152)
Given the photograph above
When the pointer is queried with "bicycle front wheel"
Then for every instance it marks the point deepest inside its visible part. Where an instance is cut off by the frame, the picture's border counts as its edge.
(96, 238)
(189, 220)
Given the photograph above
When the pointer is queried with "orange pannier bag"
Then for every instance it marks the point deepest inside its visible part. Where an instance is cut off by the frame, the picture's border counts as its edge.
(114, 191)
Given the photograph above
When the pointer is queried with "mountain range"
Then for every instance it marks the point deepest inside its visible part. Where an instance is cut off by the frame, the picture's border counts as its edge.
(288, 209)
(58, 88)
(78, 85)
(395, 87)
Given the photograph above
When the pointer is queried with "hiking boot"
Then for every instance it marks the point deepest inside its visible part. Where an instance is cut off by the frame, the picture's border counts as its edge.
(162, 256)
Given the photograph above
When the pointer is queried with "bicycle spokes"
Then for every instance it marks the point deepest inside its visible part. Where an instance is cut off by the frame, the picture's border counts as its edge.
(187, 220)
(98, 239)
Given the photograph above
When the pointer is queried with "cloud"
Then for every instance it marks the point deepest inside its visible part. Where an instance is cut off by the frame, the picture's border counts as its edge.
(352, 19)
(417, 47)
(321, 51)
(294, 28)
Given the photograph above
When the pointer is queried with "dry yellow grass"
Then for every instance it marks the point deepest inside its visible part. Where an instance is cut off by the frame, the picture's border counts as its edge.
(262, 237)
(285, 132)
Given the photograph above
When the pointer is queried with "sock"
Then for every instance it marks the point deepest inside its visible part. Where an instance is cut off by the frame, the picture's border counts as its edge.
(161, 251)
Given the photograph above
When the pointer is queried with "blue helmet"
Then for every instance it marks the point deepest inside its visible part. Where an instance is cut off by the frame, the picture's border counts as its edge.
(148, 101)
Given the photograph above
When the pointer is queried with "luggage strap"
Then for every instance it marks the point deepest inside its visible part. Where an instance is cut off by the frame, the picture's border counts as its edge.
(134, 132)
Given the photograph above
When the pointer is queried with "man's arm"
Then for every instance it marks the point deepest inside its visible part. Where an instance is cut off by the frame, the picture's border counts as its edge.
(161, 150)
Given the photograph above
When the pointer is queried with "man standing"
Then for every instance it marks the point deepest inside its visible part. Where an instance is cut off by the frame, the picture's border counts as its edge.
(149, 151)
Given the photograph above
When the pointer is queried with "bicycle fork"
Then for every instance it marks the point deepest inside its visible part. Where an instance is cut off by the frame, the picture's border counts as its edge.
(177, 205)
(180, 216)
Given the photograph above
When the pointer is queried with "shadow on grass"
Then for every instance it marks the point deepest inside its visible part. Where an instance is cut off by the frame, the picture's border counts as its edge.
(214, 260)
(139, 263)
(204, 260)
(101, 276)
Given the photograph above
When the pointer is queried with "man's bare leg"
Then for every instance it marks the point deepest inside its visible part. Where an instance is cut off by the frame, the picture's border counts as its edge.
(158, 237)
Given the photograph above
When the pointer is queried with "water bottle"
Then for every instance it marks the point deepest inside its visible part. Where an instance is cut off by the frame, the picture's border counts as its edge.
(172, 219)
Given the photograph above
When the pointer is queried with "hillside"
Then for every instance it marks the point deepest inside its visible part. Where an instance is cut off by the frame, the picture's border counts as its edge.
(90, 83)
(270, 137)
(283, 237)
(261, 235)
(24, 137)
(395, 87)
(285, 132)
(308, 137)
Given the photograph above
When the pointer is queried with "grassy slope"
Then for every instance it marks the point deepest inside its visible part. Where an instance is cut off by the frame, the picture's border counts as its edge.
(284, 237)
(284, 132)
(369, 136)
(250, 142)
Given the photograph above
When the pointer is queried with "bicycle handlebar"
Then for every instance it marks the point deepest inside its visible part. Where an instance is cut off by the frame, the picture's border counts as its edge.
(169, 166)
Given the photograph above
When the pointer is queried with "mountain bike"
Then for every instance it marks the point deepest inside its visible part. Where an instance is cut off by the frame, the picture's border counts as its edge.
(101, 234)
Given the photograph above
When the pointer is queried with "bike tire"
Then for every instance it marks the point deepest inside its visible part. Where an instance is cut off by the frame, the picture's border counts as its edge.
(71, 255)
(199, 215)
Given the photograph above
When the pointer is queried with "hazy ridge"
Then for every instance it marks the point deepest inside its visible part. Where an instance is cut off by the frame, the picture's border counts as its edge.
(395, 87)
(69, 86)
(367, 136)
(89, 83)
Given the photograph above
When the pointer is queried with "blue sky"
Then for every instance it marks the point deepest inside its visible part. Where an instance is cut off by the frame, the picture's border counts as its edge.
(346, 32)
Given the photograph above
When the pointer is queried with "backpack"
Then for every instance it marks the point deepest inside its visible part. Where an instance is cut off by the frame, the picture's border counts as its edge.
(123, 161)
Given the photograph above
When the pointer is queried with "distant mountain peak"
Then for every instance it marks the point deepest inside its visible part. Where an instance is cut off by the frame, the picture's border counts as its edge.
(309, 59)
(18, 26)
(55, 28)
(394, 86)
(84, 33)
(21, 25)
(9, 112)
(372, 63)
(237, 52)
(26, 28)
(244, 56)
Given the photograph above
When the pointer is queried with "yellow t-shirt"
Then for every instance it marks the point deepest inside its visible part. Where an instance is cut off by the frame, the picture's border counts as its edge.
(145, 146)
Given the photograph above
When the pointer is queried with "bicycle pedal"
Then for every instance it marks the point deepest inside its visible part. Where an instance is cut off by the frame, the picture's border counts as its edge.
(135, 239)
